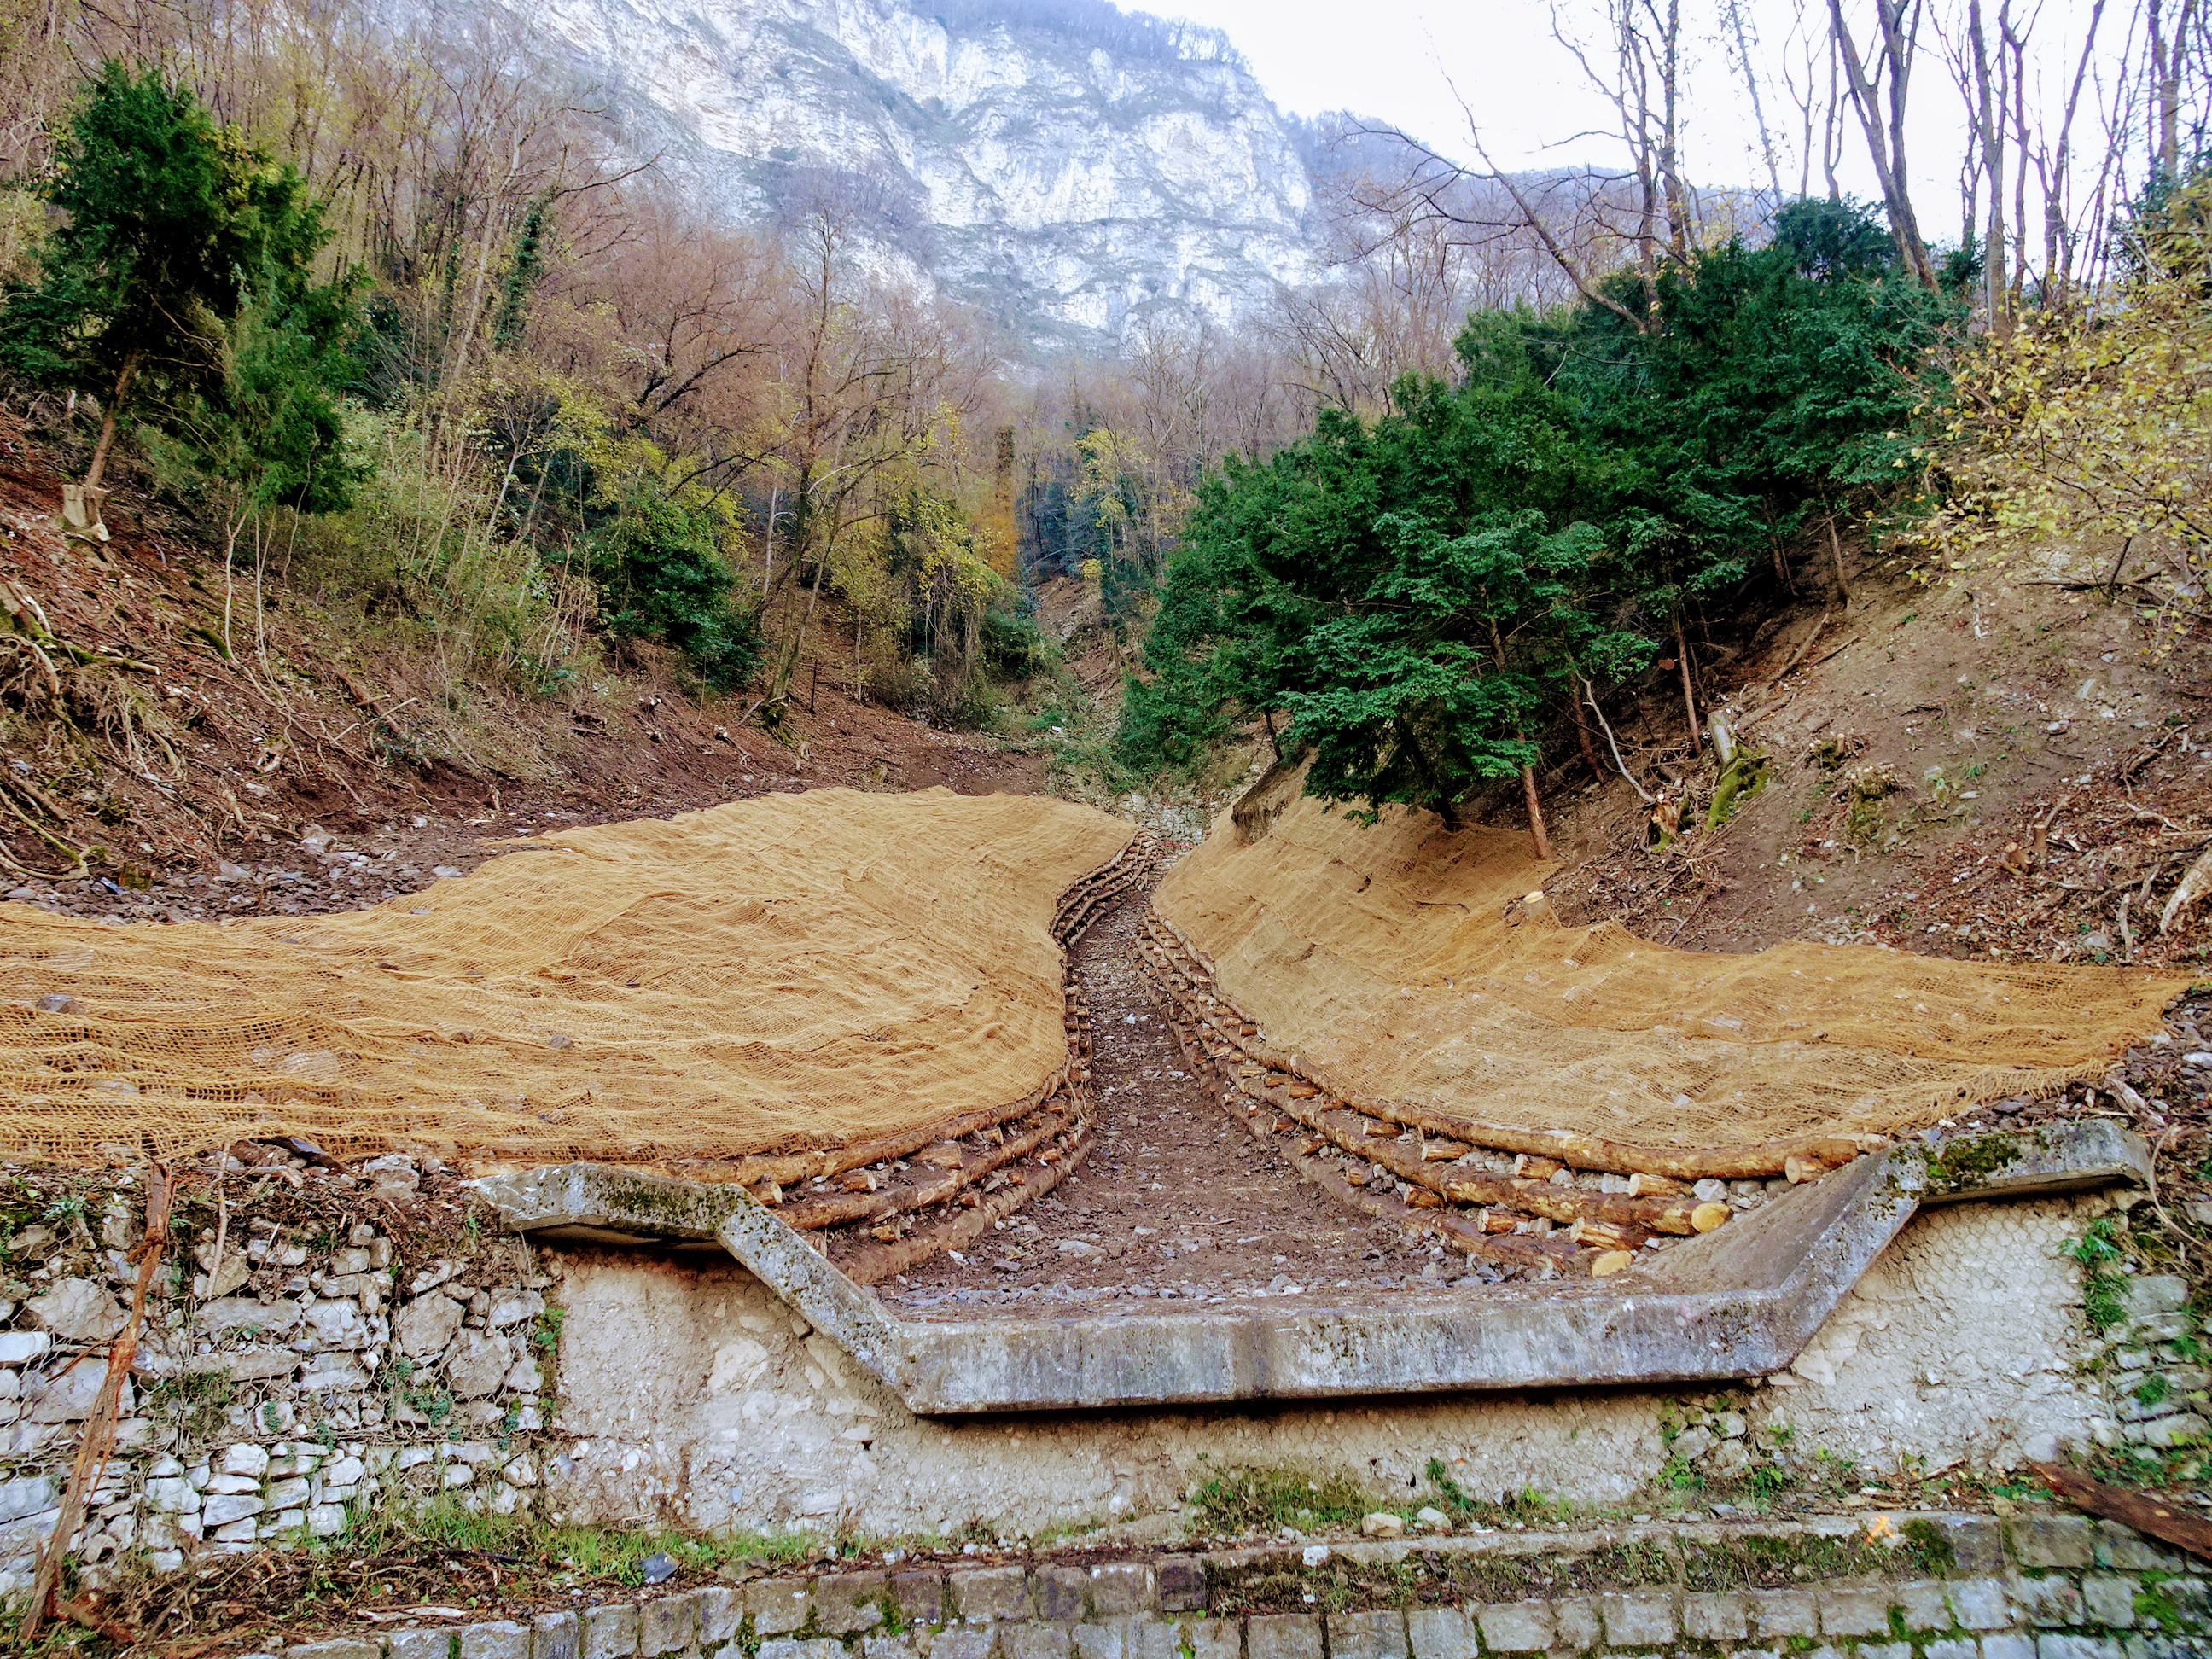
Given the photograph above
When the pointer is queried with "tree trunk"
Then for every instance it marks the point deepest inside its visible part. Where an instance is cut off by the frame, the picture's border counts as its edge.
(108, 420)
(1583, 739)
(1538, 840)
(1689, 687)
(1987, 112)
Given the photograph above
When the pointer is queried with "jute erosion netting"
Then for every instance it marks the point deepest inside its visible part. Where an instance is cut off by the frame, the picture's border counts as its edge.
(797, 971)
(1383, 962)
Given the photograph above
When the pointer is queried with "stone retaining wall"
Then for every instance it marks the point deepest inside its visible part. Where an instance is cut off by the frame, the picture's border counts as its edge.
(367, 1354)
(2045, 1586)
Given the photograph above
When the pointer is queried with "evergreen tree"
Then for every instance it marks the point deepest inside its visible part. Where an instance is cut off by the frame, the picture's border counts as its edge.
(170, 219)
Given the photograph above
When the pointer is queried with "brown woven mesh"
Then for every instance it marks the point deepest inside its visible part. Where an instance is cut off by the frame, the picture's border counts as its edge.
(1383, 960)
(792, 972)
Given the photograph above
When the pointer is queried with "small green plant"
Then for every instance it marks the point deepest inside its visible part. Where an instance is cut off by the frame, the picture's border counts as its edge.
(1930, 1543)
(2152, 1390)
(545, 1335)
(2103, 1289)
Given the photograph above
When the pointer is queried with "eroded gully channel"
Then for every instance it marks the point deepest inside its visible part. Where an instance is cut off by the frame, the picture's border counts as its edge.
(1176, 1202)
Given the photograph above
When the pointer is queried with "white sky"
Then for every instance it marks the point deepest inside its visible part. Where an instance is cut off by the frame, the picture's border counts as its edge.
(1396, 60)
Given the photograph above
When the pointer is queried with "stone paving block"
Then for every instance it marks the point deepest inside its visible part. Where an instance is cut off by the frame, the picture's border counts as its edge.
(1952, 1647)
(2052, 1541)
(1038, 1640)
(1923, 1603)
(2109, 1600)
(919, 1597)
(421, 1644)
(2166, 1647)
(554, 1635)
(990, 1593)
(1122, 1586)
(1440, 1633)
(1886, 1650)
(1638, 1619)
(1853, 1611)
(879, 1646)
(1367, 1636)
(2047, 1602)
(2124, 1546)
(721, 1610)
(786, 1647)
(2008, 1645)
(1181, 1582)
(1715, 1616)
(848, 1603)
(1151, 1638)
(610, 1633)
(1104, 1641)
(2191, 1598)
(1518, 1627)
(964, 1642)
(668, 1623)
(2054, 1646)
(1214, 1638)
(1977, 1542)
(1061, 1592)
(1979, 1603)
(501, 1639)
(1781, 1611)
(1282, 1636)
(340, 1648)
(778, 1607)
(1756, 1653)
(1575, 1623)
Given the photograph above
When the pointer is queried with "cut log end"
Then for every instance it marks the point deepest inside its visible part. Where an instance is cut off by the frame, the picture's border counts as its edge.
(1706, 1217)
(1607, 1263)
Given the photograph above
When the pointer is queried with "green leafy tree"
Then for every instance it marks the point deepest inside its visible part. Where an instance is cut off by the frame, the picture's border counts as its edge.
(170, 218)
(1421, 595)
(661, 576)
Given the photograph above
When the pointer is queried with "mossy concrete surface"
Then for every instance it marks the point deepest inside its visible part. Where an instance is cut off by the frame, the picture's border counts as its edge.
(1741, 1302)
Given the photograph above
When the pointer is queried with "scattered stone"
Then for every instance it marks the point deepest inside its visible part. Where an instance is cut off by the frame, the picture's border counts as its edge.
(1382, 1524)
(658, 1568)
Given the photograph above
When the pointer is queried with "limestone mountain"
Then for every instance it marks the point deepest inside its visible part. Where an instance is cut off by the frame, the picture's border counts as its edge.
(1060, 165)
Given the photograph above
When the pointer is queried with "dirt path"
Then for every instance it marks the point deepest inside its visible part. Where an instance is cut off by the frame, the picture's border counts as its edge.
(1175, 1202)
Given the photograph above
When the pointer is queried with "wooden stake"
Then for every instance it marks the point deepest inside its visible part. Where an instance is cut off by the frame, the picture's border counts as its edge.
(2144, 1511)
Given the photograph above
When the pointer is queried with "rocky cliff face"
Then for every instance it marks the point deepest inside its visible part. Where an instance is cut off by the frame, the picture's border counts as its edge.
(1062, 166)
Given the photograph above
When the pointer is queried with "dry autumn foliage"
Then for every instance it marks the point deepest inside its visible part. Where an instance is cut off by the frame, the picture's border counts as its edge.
(2090, 430)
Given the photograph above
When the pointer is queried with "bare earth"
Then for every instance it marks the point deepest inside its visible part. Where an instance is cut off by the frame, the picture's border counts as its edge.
(1176, 1202)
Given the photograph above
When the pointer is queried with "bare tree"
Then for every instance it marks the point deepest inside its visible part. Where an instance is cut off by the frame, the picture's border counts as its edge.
(1879, 86)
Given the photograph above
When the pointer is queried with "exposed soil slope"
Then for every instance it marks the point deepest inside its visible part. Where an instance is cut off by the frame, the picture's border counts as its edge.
(2023, 773)
(331, 770)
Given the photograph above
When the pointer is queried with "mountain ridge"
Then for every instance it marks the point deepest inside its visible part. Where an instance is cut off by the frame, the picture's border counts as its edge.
(1065, 169)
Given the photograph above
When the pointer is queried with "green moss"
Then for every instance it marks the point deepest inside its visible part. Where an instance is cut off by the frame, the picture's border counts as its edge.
(685, 1208)
(1931, 1545)
(1777, 1563)
(1971, 1160)
(1256, 1498)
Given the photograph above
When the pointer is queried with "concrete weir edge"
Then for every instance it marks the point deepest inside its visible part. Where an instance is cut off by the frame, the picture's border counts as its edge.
(1740, 1302)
